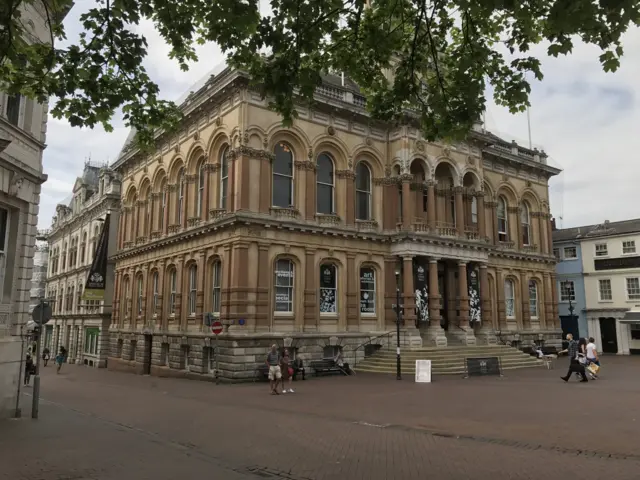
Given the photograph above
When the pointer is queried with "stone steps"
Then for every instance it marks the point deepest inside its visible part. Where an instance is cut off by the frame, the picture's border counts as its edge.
(445, 360)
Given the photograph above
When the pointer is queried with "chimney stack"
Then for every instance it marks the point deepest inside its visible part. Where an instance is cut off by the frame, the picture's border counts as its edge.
(553, 224)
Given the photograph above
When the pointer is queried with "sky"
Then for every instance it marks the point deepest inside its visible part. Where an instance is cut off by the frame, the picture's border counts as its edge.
(586, 120)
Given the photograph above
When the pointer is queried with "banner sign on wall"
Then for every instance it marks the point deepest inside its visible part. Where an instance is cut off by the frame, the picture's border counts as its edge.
(96, 281)
(475, 310)
(420, 287)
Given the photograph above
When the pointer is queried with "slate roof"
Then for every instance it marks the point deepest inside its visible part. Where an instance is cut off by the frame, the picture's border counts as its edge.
(605, 229)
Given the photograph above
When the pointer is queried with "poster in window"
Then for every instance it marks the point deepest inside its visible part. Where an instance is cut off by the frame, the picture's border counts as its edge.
(420, 288)
(367, 291)
(328, 300)
(475, 310)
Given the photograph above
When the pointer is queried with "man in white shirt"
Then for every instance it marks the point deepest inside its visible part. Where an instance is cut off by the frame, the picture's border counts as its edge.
(592, 352)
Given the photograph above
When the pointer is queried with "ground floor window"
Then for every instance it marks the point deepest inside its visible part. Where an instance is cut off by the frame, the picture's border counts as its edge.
(328, 289)
(91, 336)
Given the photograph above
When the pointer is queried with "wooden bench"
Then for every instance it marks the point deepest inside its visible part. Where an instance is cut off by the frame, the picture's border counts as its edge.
(326, 365)
(549, 354)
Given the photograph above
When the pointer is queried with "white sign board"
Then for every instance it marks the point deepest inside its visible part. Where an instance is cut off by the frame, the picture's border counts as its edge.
(423, 371)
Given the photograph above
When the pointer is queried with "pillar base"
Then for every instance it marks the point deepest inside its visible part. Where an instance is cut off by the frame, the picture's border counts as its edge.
(436, 336)
(486, 336)
(464, 335)
(410, 337)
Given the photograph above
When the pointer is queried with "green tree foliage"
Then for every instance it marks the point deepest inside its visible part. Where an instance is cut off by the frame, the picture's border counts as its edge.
(431, 58)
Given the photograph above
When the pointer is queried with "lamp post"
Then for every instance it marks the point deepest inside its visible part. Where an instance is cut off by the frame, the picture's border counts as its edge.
(398, 308)
(567, 288)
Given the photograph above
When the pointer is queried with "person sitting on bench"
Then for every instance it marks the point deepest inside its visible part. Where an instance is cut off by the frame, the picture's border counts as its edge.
(341, 363)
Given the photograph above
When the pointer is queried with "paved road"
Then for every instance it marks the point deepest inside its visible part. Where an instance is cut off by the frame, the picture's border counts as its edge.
(529, 425)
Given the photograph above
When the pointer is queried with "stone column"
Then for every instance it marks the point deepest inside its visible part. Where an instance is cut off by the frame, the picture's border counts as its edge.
(350, 189)
(242, 165)
(121, 228)
(189, 199)
(353, 314)
(486, 333)
(435, 331)
(463, 296)
(308, 169)
(390, 203)
(227, 267)
(181, 313)
(482, 227)
(549, 245)
(431, 203)
(172, 206)
(514, 226)
(548, 301)
(167, 207)
(502, 314)
(263, 323)
(265, 183)
(231, 183)
(161, 319)
(408, 292)
(459, 203)
(554, 297)
(202, 262)
(204, 212)
(417, 189)
(239, 280)
(311, 310)
(407, 206)
(390, 285)
(115, 302)
(494, 219)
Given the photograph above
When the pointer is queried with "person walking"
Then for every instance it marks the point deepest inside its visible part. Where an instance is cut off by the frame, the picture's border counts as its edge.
(275, 374)
(593, 358)
(46, 354)
(287, 371)
(29, 368)
(575, 366)
(60, 359)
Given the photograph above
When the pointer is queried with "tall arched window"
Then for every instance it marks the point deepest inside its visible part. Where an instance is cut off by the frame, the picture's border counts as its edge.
(173, 290)
(181, 189)
(201, 179)
(284, 282)
(139, 296)
(216, 287)
(367, 291)
(324, 185)
(155, 282)
(525, 220)
(474, 210)
(163, 203)
(282, 188)
(533, 299)
(509, 298)
(328, 288)
(193, 289)
(224, 178)
(502, 220)
(363, 192)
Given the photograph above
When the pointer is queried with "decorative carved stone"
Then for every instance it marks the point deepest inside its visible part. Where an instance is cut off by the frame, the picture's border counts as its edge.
(330, 130)
(420, 146)
(310, 154)
(15, 185)
(348, 174)
(305, 165)
(243, 150)
(446, 151)
(218, 121)
(368, 141)
(176, 148)
(190, 178)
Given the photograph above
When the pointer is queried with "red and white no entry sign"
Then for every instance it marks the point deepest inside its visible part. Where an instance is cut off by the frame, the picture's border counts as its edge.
(216, 328)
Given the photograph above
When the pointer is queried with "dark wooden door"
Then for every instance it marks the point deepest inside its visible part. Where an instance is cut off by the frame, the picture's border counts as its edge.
(609, 335)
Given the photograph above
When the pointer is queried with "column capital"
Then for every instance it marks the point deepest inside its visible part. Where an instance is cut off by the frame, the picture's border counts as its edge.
(462, 263)
(434, 259)
(483, 265)
(407, 257)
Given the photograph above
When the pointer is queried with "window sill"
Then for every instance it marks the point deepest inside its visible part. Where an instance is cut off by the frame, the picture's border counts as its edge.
(605, 301)
(368, 315)
(569, 259)
(511, 318)
(283, 314)
(330, 315)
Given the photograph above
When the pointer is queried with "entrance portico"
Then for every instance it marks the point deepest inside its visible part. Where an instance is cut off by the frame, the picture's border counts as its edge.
(445, 286)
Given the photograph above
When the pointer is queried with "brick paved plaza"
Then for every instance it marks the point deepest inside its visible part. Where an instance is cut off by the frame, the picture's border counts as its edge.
(103, 425)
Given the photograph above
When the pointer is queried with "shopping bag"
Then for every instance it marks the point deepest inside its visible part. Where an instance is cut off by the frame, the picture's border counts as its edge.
(593, 368)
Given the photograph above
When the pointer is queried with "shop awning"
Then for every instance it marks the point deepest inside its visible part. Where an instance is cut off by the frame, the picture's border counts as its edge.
(631, 316)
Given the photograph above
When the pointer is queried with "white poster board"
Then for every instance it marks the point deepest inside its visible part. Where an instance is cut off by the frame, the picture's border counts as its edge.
(423, 371)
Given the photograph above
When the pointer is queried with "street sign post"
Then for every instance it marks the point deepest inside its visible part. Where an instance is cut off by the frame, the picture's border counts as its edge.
(216, 329)
(41, 315)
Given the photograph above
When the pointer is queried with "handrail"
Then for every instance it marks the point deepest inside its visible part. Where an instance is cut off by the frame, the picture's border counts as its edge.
(386, 335)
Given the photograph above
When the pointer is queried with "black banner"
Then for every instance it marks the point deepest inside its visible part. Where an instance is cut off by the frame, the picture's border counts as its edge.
(475, 310)
(420, 272)
(96, 281)
(485, 366)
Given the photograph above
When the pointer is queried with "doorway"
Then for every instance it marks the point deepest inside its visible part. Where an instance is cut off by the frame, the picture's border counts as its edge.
(146, 366)
(609, 335)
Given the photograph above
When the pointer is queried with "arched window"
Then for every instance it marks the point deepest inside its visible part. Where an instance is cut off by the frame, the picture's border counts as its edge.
(139, 296)
(83, 250)
(201, 179)
(363, 192)
(502, 220)
(163, 203)
(283, 281)
(525, 220)
(324, 185)
(533, 299)
(224, 178)
(474, 210)
(173, 290)
(367, 291)
(216, 287)
(155, 282)
(282, 188)
(509, 298)
(328, 288)
(180, 196)
(193, 289)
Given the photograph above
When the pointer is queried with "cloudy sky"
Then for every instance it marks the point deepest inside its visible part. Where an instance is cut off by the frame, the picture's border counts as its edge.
(586, 120)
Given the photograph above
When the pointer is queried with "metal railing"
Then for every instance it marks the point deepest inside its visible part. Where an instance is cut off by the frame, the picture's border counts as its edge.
(381, 340)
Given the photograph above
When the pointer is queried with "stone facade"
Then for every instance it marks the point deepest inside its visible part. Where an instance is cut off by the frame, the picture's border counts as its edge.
(82, 326)
(299, 236)
(23, 126)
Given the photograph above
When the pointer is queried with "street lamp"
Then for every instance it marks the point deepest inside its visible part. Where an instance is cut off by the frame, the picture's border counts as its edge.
(398, 308)
(567, 288)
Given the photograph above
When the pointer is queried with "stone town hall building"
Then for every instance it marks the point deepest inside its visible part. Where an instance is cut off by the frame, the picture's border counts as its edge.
(295, 235)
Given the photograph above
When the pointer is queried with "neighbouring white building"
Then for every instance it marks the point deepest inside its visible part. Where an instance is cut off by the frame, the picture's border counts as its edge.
(81, 326)
(611, 266)
(23, 126)
(40, 267)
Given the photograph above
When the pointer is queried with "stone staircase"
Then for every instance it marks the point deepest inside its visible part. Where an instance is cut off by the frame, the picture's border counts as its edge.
(444, 360)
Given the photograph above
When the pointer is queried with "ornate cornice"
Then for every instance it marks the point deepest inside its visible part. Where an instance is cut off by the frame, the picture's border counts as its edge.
(245, 151)
(348, 174)
(190, 178)
(305, 165)
(513, 210)
(211, 167)
(172, 187)
(386, 181)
